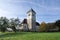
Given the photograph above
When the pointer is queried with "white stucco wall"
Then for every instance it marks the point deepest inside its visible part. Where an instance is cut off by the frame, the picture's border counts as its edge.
(37, 28)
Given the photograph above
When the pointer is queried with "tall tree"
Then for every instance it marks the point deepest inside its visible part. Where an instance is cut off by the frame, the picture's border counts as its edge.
(3, 23)
(17, 21)
(12, 24)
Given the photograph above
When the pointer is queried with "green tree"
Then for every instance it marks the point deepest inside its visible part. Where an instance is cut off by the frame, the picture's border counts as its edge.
(12, 24)
(17, 22)
(3, 23)
(43, 26)
(57, 23)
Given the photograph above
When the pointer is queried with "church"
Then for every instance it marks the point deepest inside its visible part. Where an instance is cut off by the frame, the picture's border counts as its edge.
(30, 24)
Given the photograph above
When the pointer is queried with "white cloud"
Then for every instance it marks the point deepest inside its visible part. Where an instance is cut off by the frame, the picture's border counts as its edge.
(6, 13)
(3, 12)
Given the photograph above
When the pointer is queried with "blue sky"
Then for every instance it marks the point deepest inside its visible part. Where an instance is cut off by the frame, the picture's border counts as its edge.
(46, 10)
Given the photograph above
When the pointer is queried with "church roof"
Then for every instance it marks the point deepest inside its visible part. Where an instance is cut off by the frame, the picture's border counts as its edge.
(31, 10)
(25, 22)
(37, 24)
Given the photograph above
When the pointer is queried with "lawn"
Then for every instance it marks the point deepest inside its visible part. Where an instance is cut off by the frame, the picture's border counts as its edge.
(30, 36)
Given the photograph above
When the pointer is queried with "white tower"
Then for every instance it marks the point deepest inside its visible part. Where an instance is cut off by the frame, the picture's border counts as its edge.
(31, 20)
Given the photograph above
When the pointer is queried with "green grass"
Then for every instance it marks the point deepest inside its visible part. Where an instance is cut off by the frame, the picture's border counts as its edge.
(30, 36)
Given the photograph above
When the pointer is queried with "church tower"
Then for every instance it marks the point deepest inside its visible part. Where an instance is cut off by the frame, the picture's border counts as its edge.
(31, 20)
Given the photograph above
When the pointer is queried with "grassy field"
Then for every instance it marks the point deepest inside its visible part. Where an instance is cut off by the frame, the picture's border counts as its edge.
(30, 36)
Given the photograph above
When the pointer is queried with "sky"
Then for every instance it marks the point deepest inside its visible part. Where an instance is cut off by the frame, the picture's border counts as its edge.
(46, 10)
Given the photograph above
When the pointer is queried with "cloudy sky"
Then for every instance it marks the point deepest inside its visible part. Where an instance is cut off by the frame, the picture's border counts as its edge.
(46, 10)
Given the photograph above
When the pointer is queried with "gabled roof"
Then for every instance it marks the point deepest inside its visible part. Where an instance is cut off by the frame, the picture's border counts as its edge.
(25, 22)
(37, 24)
(31, 10)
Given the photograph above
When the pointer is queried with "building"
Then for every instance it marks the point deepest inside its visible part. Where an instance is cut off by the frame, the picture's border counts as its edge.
(31, 20)
(52, 27)
(30, 23)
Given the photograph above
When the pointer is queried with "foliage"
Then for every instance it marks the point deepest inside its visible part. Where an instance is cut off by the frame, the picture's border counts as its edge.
(5, 23)
(2, 29)
(43, 26)
(17, 21)
(14, 23)
(57, 23)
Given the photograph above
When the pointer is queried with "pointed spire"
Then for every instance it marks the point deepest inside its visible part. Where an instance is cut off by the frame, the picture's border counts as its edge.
(31, 10)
